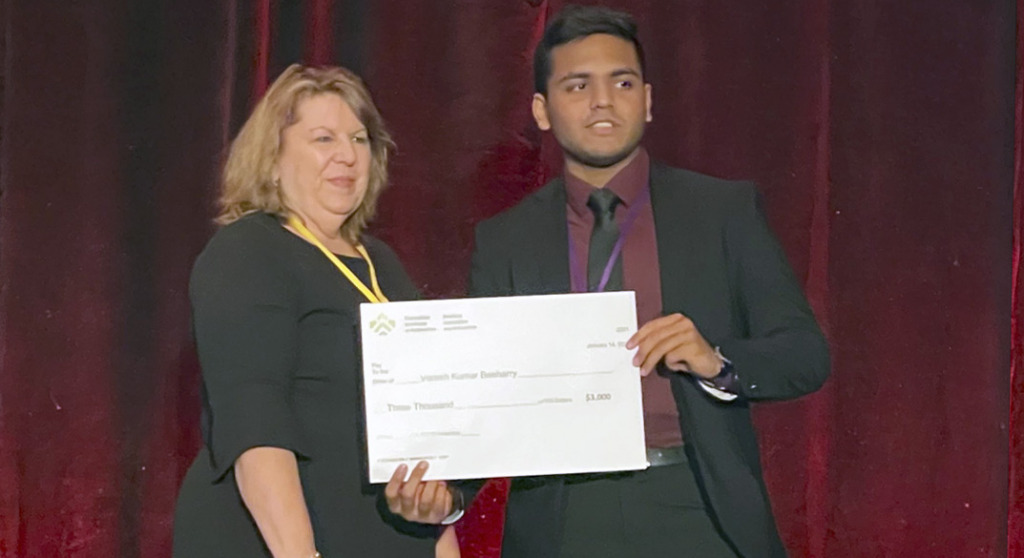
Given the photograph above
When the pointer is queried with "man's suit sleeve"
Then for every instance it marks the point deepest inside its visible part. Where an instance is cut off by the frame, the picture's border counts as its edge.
(488, 273)
(784, 354)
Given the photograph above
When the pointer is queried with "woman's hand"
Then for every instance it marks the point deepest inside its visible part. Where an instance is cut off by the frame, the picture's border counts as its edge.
(447, 544)
(415, 500)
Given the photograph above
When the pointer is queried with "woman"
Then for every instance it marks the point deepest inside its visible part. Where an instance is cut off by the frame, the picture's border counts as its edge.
(275, 298)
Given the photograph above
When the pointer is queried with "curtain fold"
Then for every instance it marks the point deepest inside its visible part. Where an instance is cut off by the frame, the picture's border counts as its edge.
(885, 138)
(1015, 523)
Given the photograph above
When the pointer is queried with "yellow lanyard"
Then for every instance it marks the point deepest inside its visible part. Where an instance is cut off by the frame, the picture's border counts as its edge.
(376, 295)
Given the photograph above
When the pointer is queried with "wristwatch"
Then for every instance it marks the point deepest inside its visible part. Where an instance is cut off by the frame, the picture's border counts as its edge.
(726, 379)
(458, 506)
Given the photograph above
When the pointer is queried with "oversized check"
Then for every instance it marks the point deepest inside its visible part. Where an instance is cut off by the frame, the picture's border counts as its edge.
(496, 387)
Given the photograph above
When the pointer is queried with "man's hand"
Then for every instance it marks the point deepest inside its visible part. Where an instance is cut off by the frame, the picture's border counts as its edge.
(415, 500)
(675, 340)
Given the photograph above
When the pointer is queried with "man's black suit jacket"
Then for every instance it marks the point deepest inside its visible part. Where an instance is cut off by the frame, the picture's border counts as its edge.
(721, 267)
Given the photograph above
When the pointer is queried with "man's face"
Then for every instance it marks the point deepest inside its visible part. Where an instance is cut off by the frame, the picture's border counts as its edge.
(597, 103)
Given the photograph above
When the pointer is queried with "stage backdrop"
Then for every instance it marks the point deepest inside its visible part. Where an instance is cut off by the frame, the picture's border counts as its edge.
(880, 133)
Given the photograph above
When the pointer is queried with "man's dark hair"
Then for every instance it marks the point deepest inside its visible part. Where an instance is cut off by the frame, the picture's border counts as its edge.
(578, 22)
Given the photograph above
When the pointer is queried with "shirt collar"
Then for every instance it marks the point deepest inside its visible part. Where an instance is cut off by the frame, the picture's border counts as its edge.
(628, 184)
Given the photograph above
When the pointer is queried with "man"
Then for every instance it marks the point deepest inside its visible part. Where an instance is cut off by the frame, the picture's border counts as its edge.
(724, 320)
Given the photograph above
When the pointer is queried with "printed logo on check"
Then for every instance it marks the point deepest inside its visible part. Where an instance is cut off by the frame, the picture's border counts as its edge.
(382, 325)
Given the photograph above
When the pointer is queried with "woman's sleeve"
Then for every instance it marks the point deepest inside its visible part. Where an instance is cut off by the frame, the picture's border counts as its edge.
(245, 320)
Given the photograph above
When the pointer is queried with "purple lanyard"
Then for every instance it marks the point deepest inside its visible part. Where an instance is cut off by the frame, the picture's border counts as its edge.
(578, 280)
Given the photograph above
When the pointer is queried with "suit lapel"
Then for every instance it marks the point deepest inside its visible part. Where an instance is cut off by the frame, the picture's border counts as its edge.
(542, 262)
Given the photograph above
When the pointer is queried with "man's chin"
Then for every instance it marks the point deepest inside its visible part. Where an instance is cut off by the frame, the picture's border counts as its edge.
(599, 160)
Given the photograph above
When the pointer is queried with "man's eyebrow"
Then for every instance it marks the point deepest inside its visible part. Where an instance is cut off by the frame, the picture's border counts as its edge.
(574, 75)
(615, 73)
(625, 72)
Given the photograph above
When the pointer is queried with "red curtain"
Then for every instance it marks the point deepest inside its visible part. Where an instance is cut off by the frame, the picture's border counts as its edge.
(881, 134)
(1016, 423)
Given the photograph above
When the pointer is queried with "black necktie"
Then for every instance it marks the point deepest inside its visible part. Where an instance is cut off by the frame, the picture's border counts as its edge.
(602, 240)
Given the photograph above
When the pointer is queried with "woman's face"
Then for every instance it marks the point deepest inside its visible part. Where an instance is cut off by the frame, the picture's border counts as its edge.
(324, 164)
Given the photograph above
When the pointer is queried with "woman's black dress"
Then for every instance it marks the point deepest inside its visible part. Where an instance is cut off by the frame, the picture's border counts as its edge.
(276, 328)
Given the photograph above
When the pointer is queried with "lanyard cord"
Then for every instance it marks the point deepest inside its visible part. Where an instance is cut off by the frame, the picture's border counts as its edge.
(376, 295)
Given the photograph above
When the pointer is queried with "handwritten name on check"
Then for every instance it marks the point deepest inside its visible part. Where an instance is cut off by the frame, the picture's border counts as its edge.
(496, 387)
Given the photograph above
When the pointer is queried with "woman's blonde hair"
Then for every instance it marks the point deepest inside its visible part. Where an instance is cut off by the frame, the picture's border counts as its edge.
(248, 183)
